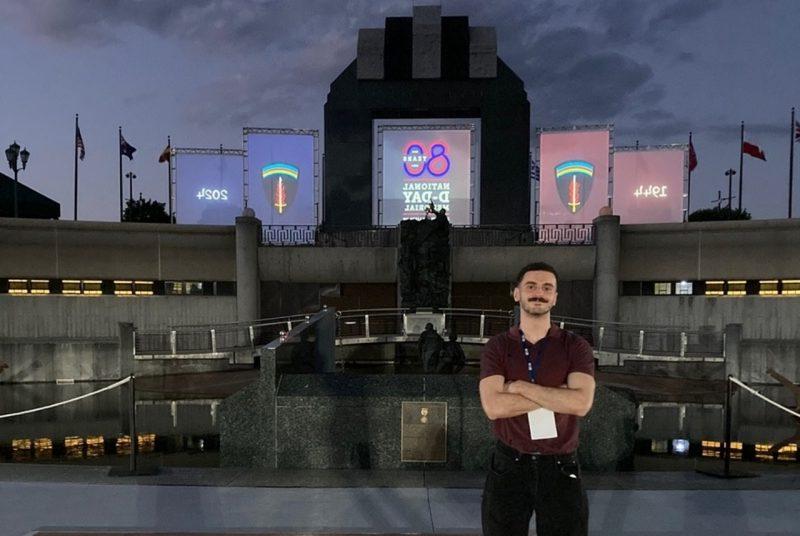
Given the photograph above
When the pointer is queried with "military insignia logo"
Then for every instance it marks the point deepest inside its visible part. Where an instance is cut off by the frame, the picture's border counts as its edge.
(280, 179)
(574, 180)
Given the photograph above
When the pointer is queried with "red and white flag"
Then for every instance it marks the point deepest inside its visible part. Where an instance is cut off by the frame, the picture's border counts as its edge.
(753, 150)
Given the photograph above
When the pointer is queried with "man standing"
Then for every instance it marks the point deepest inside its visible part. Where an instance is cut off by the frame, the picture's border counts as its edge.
(428, 347)
(536, 381)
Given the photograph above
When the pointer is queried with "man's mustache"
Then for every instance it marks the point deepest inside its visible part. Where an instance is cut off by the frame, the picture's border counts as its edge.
(537, 300)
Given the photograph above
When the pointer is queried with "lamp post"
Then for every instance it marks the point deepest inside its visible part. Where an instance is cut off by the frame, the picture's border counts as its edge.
(730, 173)
(130, 176)
(12, 154)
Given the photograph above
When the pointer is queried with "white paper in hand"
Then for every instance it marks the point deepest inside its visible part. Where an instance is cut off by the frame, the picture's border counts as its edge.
(542, 423)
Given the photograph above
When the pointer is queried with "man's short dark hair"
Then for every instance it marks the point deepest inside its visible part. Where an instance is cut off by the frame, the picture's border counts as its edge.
(538, 267)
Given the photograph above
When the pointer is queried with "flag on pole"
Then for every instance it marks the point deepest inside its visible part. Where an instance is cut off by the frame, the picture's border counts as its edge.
(164, 156)
(535, 170)
(753, 150)
(692, 157)
(125, 148)
(79, 146)
(796, 131)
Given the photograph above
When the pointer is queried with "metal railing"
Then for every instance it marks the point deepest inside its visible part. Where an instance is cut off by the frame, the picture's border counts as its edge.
(640, 341)
(212, 339)
(523, 235)
(474, 326)
(460, 236)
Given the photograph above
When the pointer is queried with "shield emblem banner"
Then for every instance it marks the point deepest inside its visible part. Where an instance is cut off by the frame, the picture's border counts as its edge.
(280, 184)
(574, 180)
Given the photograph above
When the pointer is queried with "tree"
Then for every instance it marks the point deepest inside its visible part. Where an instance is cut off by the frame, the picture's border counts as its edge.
(719, 214)
(145, 210)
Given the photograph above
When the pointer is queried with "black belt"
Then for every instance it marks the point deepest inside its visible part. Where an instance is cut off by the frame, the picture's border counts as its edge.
(517, 455)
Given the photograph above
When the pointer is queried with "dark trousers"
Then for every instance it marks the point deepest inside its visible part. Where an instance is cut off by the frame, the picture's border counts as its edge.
(520, 484)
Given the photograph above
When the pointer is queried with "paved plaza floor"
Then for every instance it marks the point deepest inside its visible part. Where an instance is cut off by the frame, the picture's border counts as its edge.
(61, 499)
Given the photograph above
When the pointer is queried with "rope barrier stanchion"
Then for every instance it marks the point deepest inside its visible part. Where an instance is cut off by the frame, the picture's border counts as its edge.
(726, 452)
(133, 468)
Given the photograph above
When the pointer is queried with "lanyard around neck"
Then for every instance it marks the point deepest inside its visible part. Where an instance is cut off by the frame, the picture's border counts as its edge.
(536, 362)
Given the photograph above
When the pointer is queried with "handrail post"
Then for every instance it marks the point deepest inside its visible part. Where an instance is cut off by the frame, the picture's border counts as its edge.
(724, 343)
(252, 336)
(727, 451)
(213, 341)
(483, 324)
(641, 342)
(366, 326)
(173, 342)
(134, 442)
(683, 343)
(600, 332)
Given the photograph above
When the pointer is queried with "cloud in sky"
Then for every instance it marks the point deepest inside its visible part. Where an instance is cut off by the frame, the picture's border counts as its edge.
(202, 69)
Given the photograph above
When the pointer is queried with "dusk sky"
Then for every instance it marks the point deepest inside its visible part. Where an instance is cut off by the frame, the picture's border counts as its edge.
(201, 70)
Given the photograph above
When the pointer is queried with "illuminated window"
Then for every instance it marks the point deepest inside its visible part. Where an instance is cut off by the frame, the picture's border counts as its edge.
(92, 287)
(143, 288)
(768, 287)
(85, 287)
(714, 449)
(715, 288)
(21, 450)
(21, 444)
(124, 444)
(710, 449)
(658, 446)
(73, 447)
(791, 287)
(680, 446)
(70, 286)
(683, 288)
(43, 448)
(184, 287)
(737, 288)
(40, 286)
(18, 286)
(123, 288)
(147, 442)
(661, 289)
(95, 446)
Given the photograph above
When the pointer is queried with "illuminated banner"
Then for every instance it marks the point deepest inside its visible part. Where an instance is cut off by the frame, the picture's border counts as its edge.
(648, 184)
(281, 176)
(424, 162)
(208, 186)
(573, 175)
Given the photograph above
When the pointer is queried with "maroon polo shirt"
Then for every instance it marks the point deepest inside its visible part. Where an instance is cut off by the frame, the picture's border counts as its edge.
(564, 353)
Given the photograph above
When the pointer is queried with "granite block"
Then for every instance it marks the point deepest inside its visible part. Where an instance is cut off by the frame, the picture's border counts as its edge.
(607, 432)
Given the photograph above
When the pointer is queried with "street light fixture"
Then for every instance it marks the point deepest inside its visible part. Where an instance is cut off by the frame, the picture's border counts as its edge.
(130, 176)
(730, 173)
(12, 155)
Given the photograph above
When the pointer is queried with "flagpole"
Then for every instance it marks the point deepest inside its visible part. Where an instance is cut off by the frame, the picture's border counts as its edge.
(741, 163)
(169, 175)
(791, 159)
(689, 185)
(75, 208)
(119, 148)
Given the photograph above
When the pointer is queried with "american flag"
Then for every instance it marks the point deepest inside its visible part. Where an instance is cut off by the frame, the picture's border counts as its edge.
(125, 148)
(797, 131)
(79, 142)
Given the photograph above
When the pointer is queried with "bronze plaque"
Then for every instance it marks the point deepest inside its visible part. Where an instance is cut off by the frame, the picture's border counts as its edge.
(423, 432)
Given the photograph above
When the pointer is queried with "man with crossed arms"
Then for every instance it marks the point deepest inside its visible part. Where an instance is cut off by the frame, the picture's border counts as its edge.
(536, 381)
